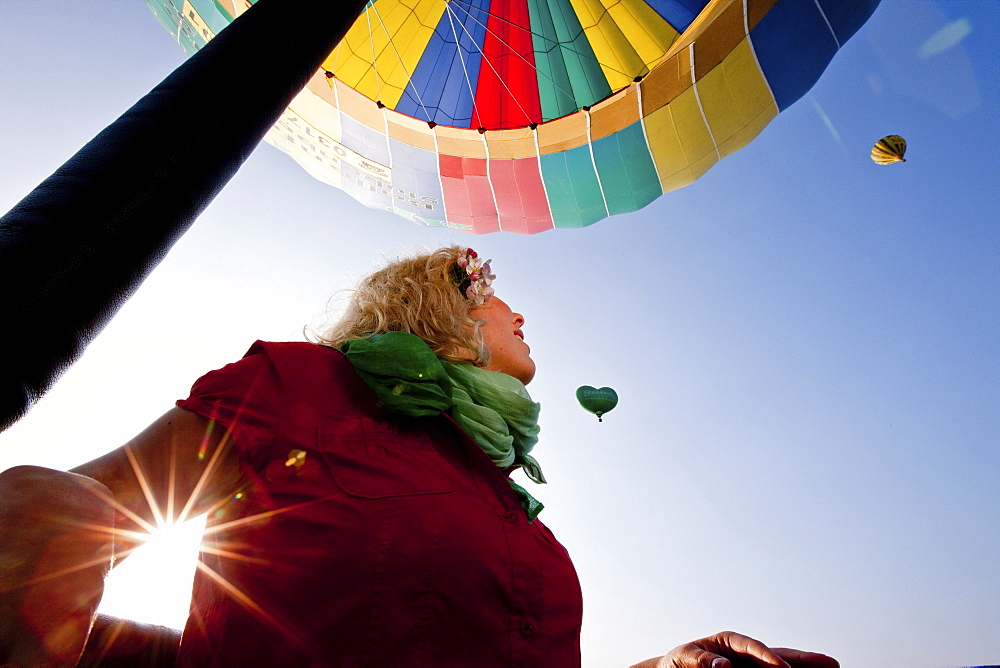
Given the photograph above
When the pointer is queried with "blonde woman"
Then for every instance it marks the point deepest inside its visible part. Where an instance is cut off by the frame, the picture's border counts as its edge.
(359, 507)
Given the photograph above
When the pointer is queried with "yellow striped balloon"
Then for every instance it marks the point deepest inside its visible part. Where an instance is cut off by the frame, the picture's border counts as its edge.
(889, 149)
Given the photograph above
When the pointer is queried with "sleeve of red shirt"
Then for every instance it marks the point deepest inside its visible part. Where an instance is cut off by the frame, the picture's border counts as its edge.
(243, 397)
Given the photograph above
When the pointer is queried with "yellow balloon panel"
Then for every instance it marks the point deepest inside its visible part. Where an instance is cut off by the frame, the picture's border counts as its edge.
(667, 150)
(735, 99)
(622, 57)
(392, 33)
(679, 140)
(648, 34)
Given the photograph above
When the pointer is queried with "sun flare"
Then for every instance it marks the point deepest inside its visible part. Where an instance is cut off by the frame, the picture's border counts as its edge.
(154, 584)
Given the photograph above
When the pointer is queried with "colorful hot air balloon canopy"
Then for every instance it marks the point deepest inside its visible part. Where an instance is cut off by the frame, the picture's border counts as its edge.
(527, 115)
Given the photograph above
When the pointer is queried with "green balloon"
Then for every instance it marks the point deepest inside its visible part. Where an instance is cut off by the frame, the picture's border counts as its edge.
(597, 401)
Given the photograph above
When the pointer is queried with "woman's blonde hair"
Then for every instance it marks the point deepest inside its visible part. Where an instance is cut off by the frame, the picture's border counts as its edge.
(415, 295)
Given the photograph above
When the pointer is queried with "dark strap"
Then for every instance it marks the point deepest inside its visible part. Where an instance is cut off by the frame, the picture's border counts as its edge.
(79, 245)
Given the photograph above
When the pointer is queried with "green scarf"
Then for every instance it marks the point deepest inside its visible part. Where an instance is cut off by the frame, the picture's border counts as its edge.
(492, 407)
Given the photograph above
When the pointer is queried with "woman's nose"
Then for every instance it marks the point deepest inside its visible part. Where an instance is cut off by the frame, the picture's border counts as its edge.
(518, 319)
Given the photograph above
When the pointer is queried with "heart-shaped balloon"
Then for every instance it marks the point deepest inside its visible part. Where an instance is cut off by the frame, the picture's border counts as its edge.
(597, 400)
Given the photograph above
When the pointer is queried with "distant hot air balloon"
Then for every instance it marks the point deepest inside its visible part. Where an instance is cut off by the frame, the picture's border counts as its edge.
(525, 115)
(597, 401)
(889, 149)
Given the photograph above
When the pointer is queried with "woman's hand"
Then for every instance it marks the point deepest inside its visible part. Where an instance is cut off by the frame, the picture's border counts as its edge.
(732, 650)
(56, 547)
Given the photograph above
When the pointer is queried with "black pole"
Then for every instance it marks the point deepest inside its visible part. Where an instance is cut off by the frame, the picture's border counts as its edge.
(77, 247)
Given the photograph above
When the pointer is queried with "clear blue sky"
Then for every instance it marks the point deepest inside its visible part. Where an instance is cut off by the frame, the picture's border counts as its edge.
(805, 344)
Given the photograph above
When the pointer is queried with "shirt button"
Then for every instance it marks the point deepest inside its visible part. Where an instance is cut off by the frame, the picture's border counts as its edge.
(527, 629)
(510, 517)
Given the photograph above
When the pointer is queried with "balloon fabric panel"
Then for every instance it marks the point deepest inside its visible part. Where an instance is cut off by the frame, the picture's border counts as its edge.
(680, 163)
(568, 70)
(793, 26)
(383, 47)
(526, 211)
(443, 84)
(290, 134)
(507, 90)
(735, 100)
(627, 174)
(184, 31)
(572, 187)
(415, 185)
(511, 144)
(212, 15)
(846, 18)
(678, 13)
(468, 196)
(364, 140)
(562, 134)
(615, 113)
(315, 102)
(361, 183)
(460, 142)
(716, 39)
(615, 50)
(644, 30)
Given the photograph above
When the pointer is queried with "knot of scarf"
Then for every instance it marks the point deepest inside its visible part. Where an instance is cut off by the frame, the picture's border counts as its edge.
(493, 408)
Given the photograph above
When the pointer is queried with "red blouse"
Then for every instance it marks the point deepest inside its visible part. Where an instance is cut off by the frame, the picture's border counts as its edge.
(365, 539)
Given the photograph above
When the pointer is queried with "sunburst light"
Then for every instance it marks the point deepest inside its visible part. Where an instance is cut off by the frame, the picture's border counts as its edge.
(154, 584)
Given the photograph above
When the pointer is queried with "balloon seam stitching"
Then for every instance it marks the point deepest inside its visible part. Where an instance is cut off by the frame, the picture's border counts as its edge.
(593, 161)
(461, 59)
(388, 150)
(541, 177)
(402, 64)
(465, 69)
(753, 51)
(489, 180)
(645, 135)
(561, 44)
(533, 34)
(827, 21)
(497, 74)
(437, 152)
(371, 42)
(701, 108)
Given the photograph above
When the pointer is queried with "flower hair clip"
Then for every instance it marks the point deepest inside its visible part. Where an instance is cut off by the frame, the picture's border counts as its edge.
(472, 276)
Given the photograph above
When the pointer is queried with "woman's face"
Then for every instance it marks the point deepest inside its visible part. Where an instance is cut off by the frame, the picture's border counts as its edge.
(502, 334)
